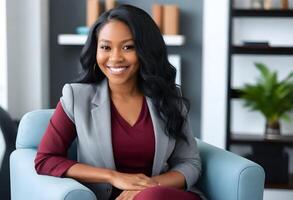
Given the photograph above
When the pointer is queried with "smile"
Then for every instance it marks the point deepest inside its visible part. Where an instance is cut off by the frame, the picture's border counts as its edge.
(117, 70)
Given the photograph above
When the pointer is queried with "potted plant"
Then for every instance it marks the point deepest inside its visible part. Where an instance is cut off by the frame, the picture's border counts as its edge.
(271, 97)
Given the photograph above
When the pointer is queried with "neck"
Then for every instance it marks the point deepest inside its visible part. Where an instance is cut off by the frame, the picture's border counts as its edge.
(124, 90)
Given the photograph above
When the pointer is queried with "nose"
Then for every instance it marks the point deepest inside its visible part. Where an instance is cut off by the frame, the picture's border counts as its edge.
(116, 56)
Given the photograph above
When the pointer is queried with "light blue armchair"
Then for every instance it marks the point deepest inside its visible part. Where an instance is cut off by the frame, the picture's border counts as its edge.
(225, 176)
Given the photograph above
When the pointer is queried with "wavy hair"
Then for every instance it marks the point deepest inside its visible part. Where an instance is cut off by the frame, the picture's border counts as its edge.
(156, 76)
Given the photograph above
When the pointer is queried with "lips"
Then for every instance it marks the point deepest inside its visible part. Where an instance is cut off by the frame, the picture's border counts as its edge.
(117, 69)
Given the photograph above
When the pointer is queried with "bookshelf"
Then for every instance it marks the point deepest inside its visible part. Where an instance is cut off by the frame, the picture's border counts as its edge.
(269, 152)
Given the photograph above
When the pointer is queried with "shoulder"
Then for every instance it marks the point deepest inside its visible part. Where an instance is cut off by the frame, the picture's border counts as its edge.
(76, 94)
(78, 88)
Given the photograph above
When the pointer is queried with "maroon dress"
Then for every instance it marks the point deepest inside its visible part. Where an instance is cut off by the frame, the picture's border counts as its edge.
(133, 149)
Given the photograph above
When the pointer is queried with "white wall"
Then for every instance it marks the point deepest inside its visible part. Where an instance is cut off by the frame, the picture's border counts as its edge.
(3, 69)
(27, 28)
(214, 68)
(3, 56)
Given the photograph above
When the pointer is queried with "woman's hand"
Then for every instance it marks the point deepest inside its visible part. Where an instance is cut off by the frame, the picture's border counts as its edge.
(125, 181)
(127, 195)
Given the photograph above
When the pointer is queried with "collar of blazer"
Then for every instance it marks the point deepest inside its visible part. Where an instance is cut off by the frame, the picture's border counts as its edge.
(102, 124)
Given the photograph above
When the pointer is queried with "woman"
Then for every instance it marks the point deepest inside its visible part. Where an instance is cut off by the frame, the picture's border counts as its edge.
(129, 119)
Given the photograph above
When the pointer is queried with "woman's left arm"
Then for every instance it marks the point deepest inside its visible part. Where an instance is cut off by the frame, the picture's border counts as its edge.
(184, 163)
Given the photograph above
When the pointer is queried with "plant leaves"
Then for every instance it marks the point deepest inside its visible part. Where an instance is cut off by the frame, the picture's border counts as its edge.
(273, 98)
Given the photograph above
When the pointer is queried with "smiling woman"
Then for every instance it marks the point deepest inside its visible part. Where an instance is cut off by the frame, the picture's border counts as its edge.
(116, 54)
(128, 115)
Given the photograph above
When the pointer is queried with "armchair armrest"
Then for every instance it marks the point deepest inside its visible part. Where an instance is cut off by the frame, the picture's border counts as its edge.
(34, 187)
(227, 176)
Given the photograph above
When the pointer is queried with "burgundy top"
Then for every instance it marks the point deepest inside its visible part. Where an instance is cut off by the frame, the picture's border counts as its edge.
(133, 146)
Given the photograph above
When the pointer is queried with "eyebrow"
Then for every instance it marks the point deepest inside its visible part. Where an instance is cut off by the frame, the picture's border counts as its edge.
(108, 41)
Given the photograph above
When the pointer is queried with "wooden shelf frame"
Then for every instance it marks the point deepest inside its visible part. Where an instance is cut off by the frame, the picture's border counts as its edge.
(265, 50)
(261, 13)
(78, 39)
(244, 139)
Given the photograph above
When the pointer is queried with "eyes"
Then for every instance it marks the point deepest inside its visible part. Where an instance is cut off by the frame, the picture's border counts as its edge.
(127, 47)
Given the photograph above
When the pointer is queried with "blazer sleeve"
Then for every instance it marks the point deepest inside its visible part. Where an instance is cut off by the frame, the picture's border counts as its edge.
(185, 158)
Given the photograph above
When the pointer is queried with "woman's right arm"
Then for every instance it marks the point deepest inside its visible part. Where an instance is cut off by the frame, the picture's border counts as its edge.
(52, 158)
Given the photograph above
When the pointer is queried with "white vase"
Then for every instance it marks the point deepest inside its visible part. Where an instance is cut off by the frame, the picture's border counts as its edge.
(267, 4)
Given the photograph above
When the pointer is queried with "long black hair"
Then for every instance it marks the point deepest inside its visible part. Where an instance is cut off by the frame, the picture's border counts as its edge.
(156, 76)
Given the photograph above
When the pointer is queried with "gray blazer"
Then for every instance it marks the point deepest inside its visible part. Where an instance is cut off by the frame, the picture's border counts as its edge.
(88, 106)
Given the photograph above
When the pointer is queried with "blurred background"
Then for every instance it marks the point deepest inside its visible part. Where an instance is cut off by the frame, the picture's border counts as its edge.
(213, 44)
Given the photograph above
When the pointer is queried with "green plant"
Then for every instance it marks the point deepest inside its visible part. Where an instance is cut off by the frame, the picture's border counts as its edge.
(273, 98)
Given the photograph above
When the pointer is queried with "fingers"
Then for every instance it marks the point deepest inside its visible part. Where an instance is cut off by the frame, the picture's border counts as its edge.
(127, 195)
(146, 183)
(132, 182)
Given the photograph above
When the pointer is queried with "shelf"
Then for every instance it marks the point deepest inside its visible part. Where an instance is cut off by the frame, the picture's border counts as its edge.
(262, 50)
(246, 139)
(281, 186)
(261, 13)
(77, 39)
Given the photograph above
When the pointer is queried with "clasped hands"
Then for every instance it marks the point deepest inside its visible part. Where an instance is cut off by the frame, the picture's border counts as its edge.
(131, 184)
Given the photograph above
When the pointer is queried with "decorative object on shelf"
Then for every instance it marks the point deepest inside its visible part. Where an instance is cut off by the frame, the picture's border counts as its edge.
(170, 19)
(271, 97)
(256, 4)
(109, 4)
(92, 11)
(157, 14)
(284, 4)
(267, 4)
(256, 43)
(82, 30)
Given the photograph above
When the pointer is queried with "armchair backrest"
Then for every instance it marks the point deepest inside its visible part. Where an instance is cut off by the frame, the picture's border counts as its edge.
(32, 128)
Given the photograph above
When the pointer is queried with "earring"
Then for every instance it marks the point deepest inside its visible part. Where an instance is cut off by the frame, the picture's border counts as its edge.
(95, 66)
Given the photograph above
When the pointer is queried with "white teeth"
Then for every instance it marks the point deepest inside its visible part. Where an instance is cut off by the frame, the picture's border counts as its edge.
(117, 70)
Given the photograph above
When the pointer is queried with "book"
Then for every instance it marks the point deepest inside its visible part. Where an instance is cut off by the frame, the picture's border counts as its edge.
(285, 4)
(157, 14)
(109, 4)
(92, 12)
(170, 19)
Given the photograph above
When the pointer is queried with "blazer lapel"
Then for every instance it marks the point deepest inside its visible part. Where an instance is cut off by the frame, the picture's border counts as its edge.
(101, 116)
(161, 139)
